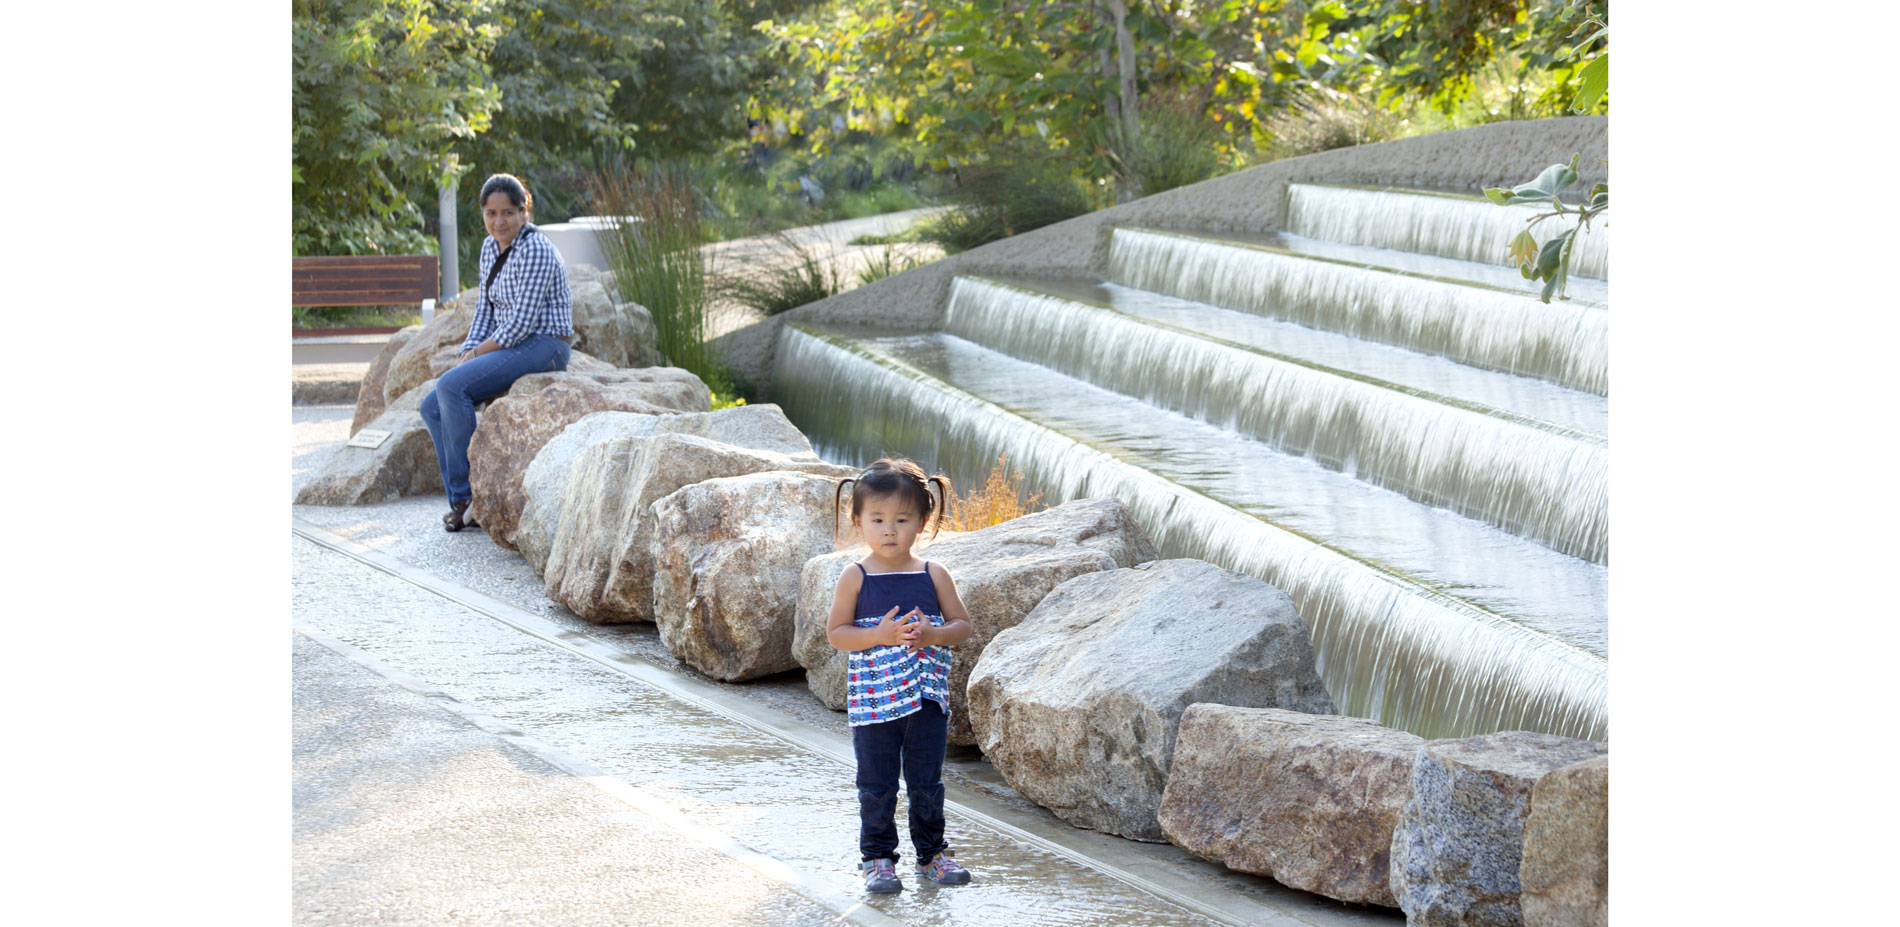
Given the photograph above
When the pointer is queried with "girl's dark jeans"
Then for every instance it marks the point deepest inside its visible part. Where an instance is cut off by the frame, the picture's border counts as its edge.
(913, 745)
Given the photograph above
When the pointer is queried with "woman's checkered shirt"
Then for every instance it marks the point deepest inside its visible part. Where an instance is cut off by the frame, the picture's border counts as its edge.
(530, 295)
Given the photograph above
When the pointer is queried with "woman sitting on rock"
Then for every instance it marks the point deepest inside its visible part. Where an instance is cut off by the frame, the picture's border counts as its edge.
(522, 325)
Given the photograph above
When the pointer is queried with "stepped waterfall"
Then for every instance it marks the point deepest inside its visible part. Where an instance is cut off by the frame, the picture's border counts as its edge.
(1368, 409)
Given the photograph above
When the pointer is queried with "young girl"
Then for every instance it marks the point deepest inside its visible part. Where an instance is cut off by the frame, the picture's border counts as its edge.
(896, 615)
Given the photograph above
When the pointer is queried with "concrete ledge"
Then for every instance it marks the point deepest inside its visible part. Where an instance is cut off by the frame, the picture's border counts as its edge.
(1252, 200)
(326, 384)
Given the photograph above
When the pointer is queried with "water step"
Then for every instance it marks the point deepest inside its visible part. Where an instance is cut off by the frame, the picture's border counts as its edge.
(1583, 291)
(1466, 227)
(1422, 618)
(1452, 317)
(1406, 421)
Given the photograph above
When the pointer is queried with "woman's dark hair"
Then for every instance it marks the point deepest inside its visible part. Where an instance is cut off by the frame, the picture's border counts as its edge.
(508, 185)
(899, 477)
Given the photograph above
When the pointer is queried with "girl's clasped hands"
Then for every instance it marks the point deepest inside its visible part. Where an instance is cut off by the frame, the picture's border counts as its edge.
(900, 630)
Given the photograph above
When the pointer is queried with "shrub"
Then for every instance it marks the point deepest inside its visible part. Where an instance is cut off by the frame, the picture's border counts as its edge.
(962, 228)
(997, 499)
(887, 264)
(1322, 119)
(795, 277)
(659, 261)
(1012, 196)
(1180, 145)
(354, 316)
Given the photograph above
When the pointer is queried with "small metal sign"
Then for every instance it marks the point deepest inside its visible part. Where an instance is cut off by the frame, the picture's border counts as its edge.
(369, 437)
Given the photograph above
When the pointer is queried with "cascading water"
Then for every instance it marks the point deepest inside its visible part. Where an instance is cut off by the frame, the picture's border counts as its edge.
(1514, 638)
(1494, 329)
(1408, 443)
(1462, 227)
(1533, 478)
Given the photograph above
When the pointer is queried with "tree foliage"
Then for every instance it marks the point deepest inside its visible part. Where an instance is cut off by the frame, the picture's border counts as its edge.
(391, 97)
(588, 80)
(381, 91)
(1407, 50)
(959, 80)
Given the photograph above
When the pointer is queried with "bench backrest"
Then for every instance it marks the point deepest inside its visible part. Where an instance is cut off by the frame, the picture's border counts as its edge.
(369, 280)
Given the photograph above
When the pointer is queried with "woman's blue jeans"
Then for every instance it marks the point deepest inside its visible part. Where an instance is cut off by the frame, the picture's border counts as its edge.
(449, 409)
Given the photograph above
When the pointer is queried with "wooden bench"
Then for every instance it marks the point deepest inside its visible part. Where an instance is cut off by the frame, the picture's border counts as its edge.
(368, 280)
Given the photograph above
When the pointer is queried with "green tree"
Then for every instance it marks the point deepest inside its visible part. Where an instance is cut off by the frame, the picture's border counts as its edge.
(381, 91)
(586, 81)
(958, 81)
(593, 85)
(1404, 50)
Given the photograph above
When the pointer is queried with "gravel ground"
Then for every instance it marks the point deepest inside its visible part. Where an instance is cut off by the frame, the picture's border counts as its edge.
(410, 530)
(403, 813)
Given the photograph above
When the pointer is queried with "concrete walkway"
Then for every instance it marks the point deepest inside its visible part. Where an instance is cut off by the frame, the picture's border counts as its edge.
(467, 750)
(406, 812)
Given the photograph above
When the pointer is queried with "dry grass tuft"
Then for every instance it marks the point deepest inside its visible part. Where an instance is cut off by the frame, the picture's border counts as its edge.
(998, 499)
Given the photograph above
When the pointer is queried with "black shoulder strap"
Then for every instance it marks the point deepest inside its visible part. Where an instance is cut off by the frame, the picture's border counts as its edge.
(861, 569)
(499, 260)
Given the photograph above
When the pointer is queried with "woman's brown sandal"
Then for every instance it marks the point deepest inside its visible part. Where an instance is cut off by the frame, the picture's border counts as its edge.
(457, 518)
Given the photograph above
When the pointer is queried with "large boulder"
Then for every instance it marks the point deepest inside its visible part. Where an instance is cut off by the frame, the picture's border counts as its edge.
(583, 362)
(599, 328)
(1310, 800)
(434, 349)
(431, 350)
(1002, 572)
(674, 388)
(600, 565)
(1460, 839)
(643, 337)
(761, 427)
(515, 426)
(403, 465)
(1077, 705)
(1565, 875)
(370, 401)
(726, 559)
(621, 333)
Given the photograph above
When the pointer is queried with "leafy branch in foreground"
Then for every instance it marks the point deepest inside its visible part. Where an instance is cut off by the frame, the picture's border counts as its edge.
(1550, 262)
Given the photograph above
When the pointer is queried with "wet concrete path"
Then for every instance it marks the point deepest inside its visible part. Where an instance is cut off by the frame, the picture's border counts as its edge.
(758, 774)
(406, 811)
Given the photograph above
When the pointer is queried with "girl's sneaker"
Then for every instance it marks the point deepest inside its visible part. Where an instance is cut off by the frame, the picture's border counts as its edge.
(880, 876)
(944, 871)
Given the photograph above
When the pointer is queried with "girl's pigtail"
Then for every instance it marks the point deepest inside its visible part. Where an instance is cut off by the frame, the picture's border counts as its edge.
(837, 496)
(943, 503)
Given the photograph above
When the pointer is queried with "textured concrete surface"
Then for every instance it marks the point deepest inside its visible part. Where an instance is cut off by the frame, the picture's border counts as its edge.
(787, 804)
(336, 349)
(411, 530)
(326, 384)
(403, 813)
(1252, 200)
